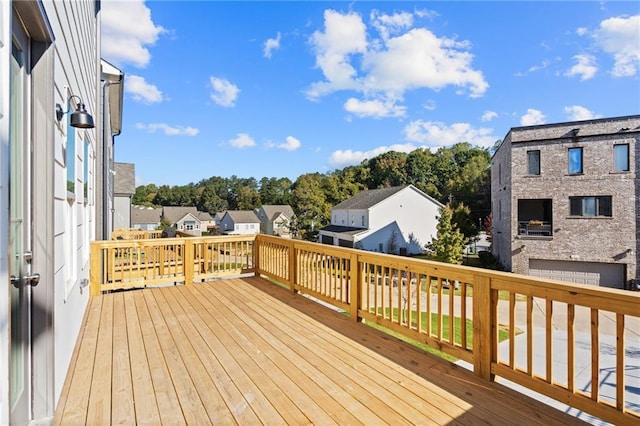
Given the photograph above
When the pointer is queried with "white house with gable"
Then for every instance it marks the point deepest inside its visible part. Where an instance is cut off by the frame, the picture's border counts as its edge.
(397, 220)
(239, 222)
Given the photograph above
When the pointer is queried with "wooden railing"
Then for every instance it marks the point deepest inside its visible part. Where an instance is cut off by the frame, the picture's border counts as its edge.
(134, 234)
(552, 331)
(125, 264)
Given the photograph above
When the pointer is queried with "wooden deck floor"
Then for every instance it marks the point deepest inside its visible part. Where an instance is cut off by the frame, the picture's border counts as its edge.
(244, 351)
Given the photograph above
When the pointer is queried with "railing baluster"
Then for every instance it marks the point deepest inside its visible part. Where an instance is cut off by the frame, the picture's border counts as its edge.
(571, 345)
(620, 362)
(549, 340)
(512, 330)
(530, 348)
(595, 355)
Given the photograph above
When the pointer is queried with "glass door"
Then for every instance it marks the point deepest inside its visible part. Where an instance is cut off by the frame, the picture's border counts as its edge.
(19, 229)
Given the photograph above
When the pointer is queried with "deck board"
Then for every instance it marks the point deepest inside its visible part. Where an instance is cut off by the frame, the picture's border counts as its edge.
(245, 351)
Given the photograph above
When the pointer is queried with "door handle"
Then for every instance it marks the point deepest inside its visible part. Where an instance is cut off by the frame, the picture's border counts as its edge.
(32, 280)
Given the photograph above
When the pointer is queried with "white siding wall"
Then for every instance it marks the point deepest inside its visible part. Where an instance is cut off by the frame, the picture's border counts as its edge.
(412, 212)
(349, 218)
(77, 62)
(122, 212)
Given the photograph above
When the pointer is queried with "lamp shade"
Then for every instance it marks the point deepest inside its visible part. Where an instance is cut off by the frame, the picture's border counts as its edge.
(80, 118)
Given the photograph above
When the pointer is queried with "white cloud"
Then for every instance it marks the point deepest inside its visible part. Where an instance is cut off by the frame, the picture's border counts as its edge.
(388, 67)
(168, 130)
(224, 93)
(374, 108)
(545, 63)
(141, 91)
(242, 140)
(290, 144)
(585, 67)
(391, 24)
(436, 134)
(581, 31)
(271, 44)
(579, 113)
(347, 157)
(126, 31)
(619, 37)
(344, 35)
(489, 115)
(532, 118)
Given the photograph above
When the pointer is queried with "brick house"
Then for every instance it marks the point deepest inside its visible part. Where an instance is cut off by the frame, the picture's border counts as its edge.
(565, 201)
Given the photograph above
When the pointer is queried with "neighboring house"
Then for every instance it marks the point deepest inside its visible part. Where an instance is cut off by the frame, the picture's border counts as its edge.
(207, 223)
(238, 222)
(51, 192)
(565, 201)
(185, 219)
(146, 218)
(398, 220)
(275, 219)
(124, 189)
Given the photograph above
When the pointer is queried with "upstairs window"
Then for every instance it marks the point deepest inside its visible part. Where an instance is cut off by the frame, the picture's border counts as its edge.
(533, 162)
(621, 157)
(590, 206)
(575, 161)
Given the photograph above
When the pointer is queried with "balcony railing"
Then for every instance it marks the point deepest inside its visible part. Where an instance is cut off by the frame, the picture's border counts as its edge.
(535, 228)
(551, 328)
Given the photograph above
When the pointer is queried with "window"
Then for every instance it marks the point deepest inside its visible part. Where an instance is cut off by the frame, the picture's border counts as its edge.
(621, 157)
(363, 221)
(575, 160)
(590, 206)
(533, 162)
(499, 174)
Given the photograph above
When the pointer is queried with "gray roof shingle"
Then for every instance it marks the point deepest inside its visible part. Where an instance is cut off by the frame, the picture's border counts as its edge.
(243, 216)
(367, 199)
(124, 181)
(273, 210)
(175, 213)
(140, 215)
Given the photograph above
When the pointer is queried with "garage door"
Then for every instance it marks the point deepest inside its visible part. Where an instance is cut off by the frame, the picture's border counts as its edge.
(593, 273)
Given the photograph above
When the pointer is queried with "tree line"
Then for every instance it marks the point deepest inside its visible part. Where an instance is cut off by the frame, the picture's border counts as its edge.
(458, 176)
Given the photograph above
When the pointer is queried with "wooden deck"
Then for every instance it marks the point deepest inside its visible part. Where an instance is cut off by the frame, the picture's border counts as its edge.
(245, 351)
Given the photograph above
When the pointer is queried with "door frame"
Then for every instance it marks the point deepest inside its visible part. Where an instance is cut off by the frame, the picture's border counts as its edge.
(40, 131)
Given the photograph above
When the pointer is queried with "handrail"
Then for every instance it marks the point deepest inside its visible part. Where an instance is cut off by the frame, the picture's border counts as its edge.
(134, 234)
(456, 309)
(125, 264)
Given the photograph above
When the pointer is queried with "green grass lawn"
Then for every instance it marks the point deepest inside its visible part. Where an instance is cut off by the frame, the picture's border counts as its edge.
(503, 333)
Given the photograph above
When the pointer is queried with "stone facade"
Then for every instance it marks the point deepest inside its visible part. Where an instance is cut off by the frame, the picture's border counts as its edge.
(533, 218)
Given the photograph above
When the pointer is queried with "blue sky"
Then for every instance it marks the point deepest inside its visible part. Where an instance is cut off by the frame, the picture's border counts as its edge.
(279, 89)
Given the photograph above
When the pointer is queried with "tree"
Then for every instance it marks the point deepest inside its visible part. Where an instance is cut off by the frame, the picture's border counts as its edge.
(461, 218)
(449, 245)
(388, 169)
(310, 205)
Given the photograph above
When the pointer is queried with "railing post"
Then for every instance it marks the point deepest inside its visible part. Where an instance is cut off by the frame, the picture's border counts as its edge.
(187, 261)
(355, 282)
(484, 327)
(256, 255)
(292, 267)
(95, 271)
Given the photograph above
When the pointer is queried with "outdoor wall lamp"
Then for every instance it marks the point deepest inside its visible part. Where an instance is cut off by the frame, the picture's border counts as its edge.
(80, 118)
